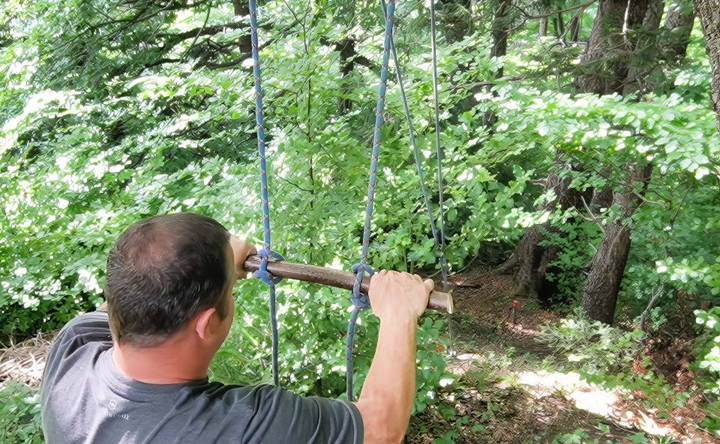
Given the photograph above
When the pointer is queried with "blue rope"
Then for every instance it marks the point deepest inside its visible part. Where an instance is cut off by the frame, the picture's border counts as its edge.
(360, 301)
(266, 253)
(418, 163)
(438, 147)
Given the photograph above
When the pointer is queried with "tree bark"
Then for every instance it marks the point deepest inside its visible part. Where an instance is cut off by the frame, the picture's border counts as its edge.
(679, 23)
(533, 259)
(612, 40)
(574, 25)
(607, 269)
(709, 13)
(646, 54)
(601, 199)
(456, 19)
(543, 27)
(347, 65)
(242, 9)
(500, 32)
(608, 265)
(559, 25)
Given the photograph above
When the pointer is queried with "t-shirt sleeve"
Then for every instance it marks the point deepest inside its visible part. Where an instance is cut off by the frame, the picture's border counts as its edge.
(281, 416)
(84, 329)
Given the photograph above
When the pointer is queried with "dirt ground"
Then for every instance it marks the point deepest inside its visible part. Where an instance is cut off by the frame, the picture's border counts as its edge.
(512, 389)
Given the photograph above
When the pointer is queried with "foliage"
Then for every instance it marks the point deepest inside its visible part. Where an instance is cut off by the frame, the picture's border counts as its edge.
(575, 240)
(19, 414)
(708, 346)
(596, 347)
(614, 358)
(113, 111)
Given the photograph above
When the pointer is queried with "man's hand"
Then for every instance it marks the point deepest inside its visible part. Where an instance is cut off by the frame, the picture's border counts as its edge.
(241, 250)
(398, 299)
(397, 296)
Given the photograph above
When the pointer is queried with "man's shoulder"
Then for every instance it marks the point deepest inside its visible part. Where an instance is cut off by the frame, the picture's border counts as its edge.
(91, 319)
(83, 329)
(88, 333)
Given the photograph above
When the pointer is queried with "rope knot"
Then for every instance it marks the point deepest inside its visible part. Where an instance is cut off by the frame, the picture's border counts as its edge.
(358, 298)
(262, 273)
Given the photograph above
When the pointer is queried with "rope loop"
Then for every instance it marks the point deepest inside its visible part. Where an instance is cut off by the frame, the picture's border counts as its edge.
(358, 298)
(262, 273)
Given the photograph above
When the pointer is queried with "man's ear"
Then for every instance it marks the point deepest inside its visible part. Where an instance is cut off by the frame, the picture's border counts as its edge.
(205, 323)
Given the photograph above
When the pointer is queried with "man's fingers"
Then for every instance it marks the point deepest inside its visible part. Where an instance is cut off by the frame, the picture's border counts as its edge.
(429, 285)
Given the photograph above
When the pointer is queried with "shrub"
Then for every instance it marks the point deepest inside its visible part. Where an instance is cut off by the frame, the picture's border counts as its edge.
(20, 415)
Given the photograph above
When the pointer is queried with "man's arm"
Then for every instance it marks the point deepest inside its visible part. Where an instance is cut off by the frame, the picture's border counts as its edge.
(386, 400)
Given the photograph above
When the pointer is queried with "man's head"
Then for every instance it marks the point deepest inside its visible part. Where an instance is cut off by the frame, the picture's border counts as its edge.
(163, 272)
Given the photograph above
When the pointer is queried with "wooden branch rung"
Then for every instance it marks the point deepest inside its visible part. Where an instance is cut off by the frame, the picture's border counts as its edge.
(335, 278)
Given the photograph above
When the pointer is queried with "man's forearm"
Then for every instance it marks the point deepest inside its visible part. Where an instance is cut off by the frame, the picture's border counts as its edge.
(389, 388)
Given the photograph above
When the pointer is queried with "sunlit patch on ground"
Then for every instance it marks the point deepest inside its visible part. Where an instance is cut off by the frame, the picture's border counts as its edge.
(590, 398)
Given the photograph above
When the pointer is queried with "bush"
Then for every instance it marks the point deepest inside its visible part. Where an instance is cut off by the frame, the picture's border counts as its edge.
(597, 348)
(708, 347)
(20, 415)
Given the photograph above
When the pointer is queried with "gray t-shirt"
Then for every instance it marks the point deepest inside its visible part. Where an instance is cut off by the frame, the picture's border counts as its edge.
(86, 399)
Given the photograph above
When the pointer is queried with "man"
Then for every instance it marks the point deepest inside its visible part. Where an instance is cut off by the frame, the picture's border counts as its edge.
(138, 372)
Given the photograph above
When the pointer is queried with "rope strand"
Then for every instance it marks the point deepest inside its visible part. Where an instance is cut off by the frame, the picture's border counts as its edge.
(438, 147)
(266, 253)
(359, 300)
(418, 157)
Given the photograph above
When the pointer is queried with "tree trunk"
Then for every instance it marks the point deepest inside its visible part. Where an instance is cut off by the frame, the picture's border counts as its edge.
(242, 9)
(601, 199)
(616, 29)
(543, 27)
(500, 31)
(612, 40)
(533, 259)
(709, 13)
(679, 23)
(605, 63)
(608, 265)
(347, 65)
(456, 19)
(607, 268)
(644, 59)
(574, 25)
(559, 25)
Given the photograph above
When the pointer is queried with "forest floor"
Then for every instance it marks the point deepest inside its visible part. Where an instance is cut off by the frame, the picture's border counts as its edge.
(512, 389)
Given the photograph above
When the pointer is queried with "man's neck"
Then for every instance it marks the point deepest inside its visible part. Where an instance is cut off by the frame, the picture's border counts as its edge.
(174, 361)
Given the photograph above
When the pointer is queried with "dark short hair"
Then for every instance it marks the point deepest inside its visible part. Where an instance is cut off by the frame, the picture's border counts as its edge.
(161, 272)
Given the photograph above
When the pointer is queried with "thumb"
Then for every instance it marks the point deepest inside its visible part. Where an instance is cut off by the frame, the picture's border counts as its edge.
(429, 285)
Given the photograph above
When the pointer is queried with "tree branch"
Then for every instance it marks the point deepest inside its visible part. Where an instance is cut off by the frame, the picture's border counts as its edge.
(559, 11)
(527, 16)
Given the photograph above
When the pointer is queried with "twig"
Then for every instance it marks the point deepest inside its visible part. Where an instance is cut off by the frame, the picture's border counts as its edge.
(192, 45)
(490, 83)
(294, 184)
(643, 316)
(592, 215)
(527, 16)
(559, 11)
